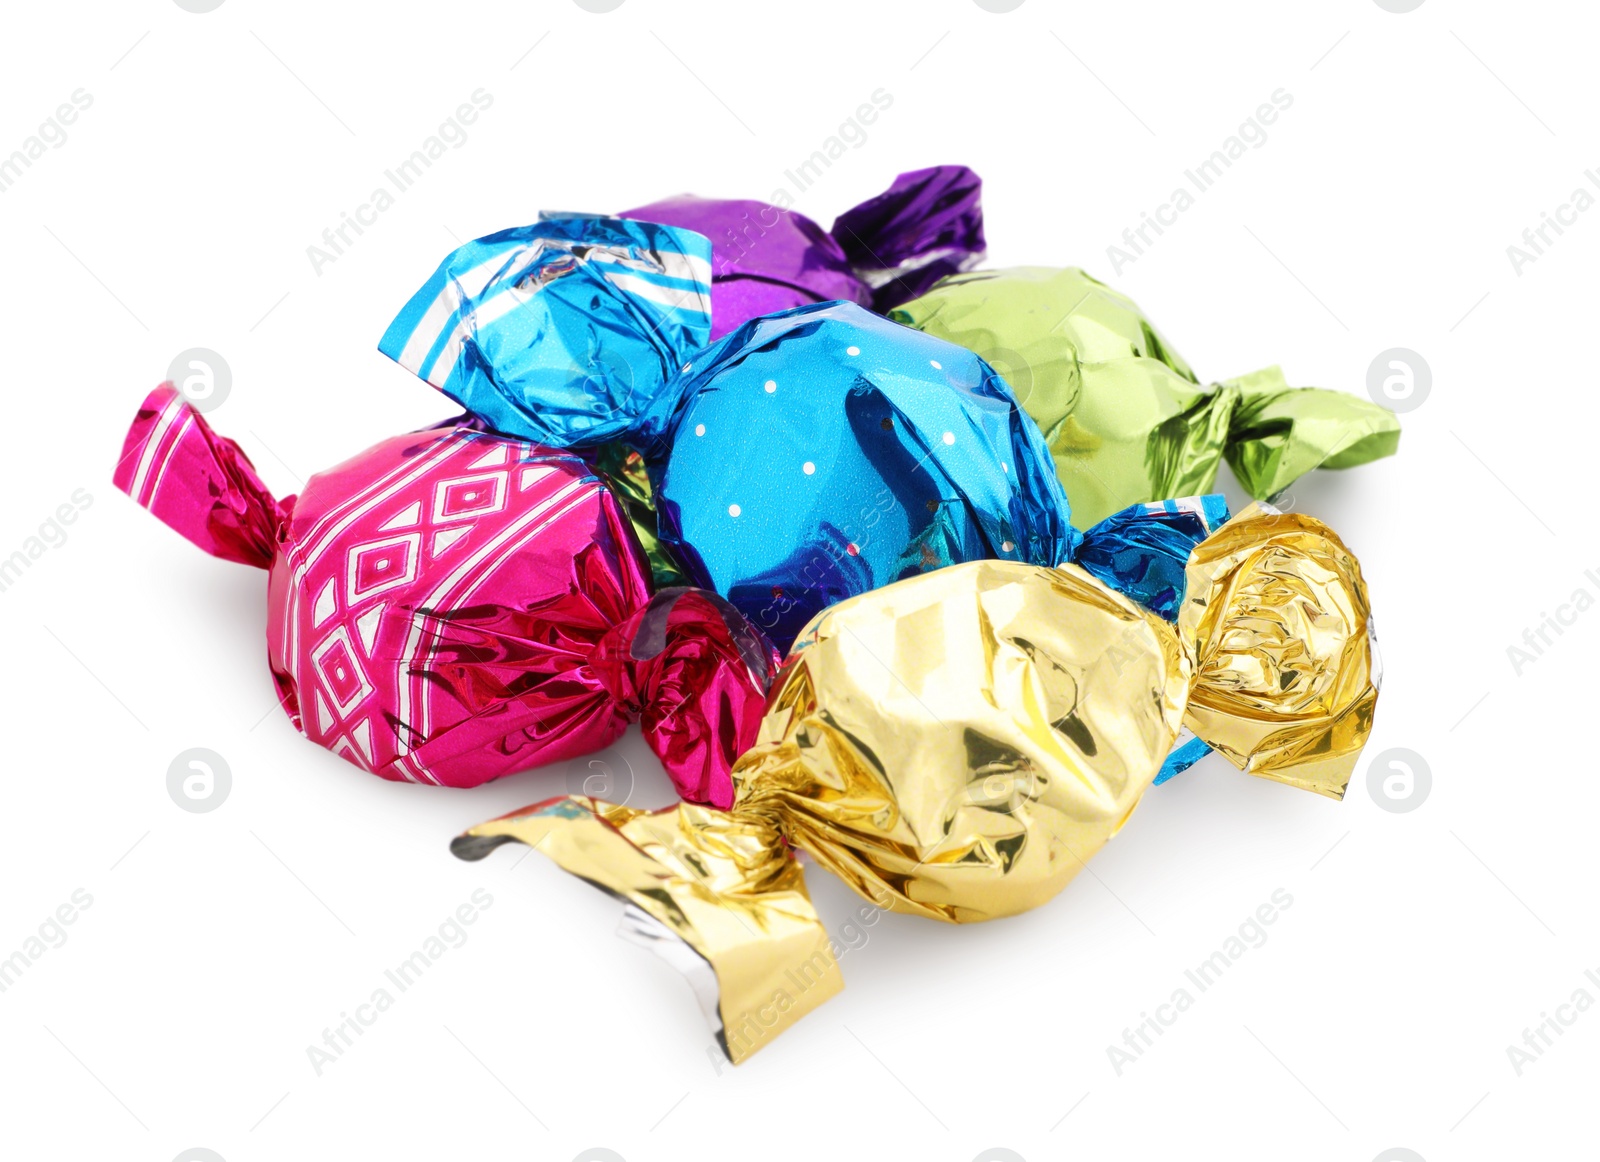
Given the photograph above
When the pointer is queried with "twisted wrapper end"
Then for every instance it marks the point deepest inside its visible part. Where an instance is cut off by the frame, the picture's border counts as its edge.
(695, 674)
(1277, 433)
(926, 225)
(706, 889)
(198, 483)
(1278, 622)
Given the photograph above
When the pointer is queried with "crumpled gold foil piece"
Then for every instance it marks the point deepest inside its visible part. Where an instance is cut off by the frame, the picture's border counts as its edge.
(1277, 617)
(722, 882)
(957, 744)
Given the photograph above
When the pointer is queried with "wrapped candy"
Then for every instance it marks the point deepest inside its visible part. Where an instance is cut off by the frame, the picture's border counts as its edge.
(890, 248)
(805, 457)
(558, 332)
(1124, 416)
(453, 605)
(955, 745)
(824, 451)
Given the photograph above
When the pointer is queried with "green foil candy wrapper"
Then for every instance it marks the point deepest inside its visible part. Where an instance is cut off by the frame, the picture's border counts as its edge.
(622, 468)
(1126, 419)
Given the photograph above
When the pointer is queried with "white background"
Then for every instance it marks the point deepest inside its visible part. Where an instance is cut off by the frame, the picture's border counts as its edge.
(219, 946)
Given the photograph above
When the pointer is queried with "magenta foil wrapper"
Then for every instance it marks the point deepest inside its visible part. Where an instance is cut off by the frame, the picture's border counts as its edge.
(452, 605)
(886, 251)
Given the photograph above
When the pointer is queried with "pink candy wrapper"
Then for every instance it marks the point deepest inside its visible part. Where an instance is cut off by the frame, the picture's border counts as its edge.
(452, 605)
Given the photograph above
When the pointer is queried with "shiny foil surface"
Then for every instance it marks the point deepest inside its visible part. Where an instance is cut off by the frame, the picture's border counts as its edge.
(452, 605)
(957, 744)
(720, 884)
(891, 248)
(816, 454)
(1124, 416)
(1286, 677)
(1143, 551)
(623, 469)
(806, 457)
(558, 331)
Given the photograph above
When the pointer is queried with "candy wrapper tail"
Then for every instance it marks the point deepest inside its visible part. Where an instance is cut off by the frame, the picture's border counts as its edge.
(1279, 624)
(198, 483)
(955, 745)
(729, 892)
(1277, 433)
(926, 225)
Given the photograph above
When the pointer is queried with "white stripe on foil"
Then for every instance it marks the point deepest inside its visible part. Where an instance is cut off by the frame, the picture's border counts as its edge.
(172, 447)
(411, 655)
(147, 454)
(672, 297)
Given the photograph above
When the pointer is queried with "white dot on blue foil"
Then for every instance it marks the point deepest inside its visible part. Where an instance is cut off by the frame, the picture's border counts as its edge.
(949, 437)
(734, 510)
(936, 365)
(699, 429)
(808, 467)
(852, 351)
(772, 386)
(1006, 546)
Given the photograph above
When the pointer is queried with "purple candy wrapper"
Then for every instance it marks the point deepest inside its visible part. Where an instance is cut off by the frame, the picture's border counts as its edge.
(885, 251)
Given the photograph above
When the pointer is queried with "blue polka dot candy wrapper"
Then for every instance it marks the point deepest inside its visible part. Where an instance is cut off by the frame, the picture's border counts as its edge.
(768, 257)
(808, 456)
(822, 452)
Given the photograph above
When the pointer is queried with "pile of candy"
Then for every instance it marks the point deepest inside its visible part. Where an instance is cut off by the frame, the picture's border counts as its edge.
(881, 551)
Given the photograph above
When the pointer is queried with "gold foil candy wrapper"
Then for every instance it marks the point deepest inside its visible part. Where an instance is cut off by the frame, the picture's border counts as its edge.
(958, 744)
(955, 748)
(716, 893)
(1286, 671)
